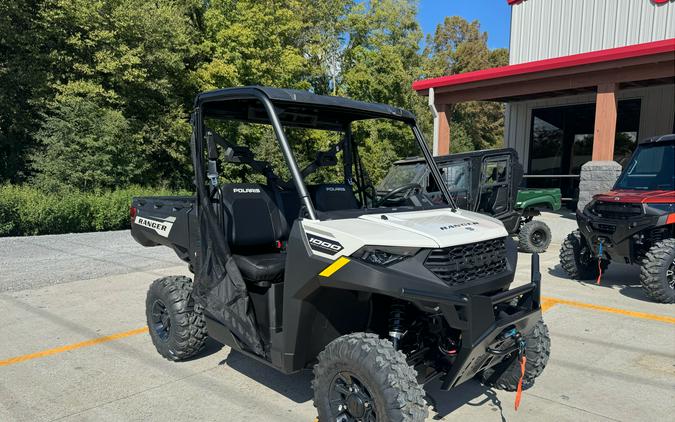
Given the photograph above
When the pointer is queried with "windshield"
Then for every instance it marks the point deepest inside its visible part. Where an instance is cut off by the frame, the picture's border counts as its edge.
(651, 168)
(401, 174)
(354, 168)
(339, 157)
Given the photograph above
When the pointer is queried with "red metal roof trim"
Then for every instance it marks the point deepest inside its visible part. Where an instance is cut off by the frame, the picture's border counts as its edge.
(512, 2)
(610, 54)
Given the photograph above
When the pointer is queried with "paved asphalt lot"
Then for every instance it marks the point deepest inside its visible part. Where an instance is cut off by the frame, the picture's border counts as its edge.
(73, 347)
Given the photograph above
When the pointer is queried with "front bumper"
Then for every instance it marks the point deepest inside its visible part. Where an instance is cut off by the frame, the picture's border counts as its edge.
(482, 327)
(614, 234)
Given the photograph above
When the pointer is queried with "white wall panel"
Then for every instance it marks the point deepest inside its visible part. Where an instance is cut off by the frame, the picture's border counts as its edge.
(542, 29)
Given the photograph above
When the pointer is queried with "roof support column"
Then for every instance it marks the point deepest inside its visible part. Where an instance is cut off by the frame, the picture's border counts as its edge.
(444, 113)
(605, 122)
(441, 115)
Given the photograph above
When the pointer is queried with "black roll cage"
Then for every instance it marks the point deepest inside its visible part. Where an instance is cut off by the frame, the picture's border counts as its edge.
(267, 97)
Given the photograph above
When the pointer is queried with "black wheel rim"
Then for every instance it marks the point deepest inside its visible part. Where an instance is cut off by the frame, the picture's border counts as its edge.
(670, 275)
(538, 237)
(161, 321)
(350, 400)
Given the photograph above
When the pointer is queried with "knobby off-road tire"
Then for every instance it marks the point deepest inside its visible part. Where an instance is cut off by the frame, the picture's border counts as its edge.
(371, 365)
(177, 326)
(537, 351)
(656, 272)
(576, 260)
(534, 236)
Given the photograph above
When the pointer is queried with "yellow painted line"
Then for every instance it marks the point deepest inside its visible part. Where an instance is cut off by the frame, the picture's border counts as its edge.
(547, 303)
(329, 270)
(73, 346)
(551, 301)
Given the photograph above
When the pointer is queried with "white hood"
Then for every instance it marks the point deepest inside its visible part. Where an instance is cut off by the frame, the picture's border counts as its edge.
(425, 229)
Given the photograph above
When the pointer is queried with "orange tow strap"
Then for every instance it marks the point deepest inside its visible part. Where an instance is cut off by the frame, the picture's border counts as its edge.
(599, 263)
(519, 391)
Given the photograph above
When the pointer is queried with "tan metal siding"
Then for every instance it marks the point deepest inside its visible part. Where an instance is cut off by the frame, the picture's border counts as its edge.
(542, 29)
(657, 111)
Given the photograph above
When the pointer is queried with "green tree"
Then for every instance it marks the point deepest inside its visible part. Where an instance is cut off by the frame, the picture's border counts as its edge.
(135, 66)
(380, 63)
(252, 43)
(138, 53)
(23, 84)
(459, 46)
(87, 143)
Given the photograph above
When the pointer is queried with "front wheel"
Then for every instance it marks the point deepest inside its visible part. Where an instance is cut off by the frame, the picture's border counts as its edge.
(537, 351)
(361, 377)
(534, 236)
(657, 274)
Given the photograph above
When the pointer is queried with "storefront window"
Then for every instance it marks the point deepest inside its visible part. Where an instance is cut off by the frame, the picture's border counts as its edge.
(562, 141)
(547, 142)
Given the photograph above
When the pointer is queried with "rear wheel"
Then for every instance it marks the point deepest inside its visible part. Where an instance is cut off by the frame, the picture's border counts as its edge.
(537, 351)
(177, 326)
(534, 236)
(657, 274)
(577, 260)
(361, 377)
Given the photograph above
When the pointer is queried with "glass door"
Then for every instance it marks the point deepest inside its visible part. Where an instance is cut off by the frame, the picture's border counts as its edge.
(561, 141)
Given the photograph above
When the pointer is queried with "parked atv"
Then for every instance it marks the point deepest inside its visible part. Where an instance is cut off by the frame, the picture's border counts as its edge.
(535, 235)
(378, 295)
(486, 182)
(634, 223)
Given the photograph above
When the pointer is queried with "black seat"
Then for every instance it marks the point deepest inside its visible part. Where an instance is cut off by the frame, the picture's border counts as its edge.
(288, 202)
(263, 267)
(254, 226)
(333, 197)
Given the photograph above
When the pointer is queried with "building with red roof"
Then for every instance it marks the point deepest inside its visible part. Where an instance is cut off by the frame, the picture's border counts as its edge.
(586, 80)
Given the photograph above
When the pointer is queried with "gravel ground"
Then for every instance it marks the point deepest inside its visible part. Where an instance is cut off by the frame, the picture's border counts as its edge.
(38, 261)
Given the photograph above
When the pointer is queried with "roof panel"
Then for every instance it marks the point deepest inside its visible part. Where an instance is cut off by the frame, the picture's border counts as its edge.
(306, 98)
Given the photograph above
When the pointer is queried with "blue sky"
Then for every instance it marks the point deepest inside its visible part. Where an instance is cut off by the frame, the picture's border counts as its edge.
(494, 16)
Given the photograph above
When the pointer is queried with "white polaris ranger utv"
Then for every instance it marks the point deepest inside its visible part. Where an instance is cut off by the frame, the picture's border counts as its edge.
(378, 294)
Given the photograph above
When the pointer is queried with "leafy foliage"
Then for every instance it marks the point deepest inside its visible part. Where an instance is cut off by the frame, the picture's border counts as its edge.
(458, 46)
(27, 210)
(87, 144)
(96, 93)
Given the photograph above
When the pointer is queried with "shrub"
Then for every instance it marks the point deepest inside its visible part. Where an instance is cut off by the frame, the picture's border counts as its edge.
(29, 210)
(9, 211)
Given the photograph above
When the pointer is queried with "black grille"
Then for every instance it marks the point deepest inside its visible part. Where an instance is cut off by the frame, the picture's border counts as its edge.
(616, 211)
(465, 263)
(604, 228)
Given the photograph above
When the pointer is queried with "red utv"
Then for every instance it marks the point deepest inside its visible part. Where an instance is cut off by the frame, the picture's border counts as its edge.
(634, 223)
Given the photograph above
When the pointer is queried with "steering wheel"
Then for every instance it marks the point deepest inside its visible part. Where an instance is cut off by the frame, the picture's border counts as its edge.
(408, 188)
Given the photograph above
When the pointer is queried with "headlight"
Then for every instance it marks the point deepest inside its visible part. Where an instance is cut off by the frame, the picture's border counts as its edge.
(384, 255)
(589, 206)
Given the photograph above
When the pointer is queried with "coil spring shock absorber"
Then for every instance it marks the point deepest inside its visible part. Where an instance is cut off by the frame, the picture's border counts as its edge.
(396, 322)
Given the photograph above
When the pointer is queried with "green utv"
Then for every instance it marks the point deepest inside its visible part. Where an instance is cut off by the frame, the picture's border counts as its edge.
(483, 181)
(307, 266)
